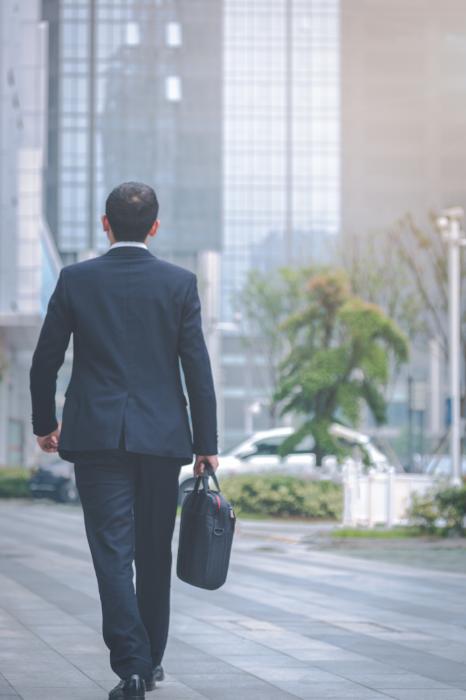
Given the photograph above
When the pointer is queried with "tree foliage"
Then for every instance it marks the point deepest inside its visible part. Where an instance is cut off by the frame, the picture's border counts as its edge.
(339, 358)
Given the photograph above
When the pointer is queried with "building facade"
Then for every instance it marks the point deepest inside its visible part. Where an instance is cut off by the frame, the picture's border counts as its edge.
(403, 101)
(29, 262)
(135, 95)
(281, 175)
(282, 131)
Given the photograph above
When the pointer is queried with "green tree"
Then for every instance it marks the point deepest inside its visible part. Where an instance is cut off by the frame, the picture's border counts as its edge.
(339, 358)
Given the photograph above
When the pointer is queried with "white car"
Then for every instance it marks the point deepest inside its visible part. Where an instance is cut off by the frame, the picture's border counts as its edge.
(259, 453)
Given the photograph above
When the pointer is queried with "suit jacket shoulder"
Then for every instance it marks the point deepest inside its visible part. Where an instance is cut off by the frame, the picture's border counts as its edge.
(167, 268)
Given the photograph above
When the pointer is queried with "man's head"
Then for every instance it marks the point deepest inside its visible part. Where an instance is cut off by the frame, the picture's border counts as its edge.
(131, 212)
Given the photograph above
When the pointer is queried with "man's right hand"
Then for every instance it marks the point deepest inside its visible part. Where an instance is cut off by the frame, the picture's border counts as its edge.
(199, 463)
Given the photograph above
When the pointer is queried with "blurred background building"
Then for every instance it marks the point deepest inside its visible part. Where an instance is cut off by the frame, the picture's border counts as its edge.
(29, 261)
(268, 128)
(403, 146)
(135, 94)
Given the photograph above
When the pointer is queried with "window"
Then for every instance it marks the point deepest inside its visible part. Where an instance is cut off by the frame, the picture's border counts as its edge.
(269, 446)
(132, 34)
(173, 88)
(173, 34)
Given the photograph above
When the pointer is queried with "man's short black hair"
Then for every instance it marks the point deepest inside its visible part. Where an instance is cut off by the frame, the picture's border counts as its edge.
(131, 209)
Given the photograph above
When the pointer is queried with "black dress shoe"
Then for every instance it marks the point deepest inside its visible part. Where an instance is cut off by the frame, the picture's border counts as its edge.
(158, 674)
(132, 688)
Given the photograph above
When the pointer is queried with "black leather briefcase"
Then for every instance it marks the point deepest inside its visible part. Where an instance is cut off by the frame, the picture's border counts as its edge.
(206, 534)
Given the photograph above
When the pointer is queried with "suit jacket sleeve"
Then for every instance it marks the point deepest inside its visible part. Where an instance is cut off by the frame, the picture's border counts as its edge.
(198, 374)
(47, 359)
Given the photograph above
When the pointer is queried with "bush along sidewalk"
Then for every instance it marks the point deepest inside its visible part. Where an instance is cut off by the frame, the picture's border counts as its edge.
(281, 496)
(440, 511)
(14, 482)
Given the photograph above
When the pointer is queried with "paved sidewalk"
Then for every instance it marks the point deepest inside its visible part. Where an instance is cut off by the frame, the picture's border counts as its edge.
(289, 623)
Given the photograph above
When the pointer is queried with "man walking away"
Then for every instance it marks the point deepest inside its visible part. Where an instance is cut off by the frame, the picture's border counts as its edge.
(134, 317)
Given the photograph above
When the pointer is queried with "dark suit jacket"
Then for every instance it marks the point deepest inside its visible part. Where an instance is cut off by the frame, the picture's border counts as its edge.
(133, 318)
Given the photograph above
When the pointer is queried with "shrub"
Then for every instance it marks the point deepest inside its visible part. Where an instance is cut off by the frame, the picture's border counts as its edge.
(14, 482)
(424, 512)
(452, 507)
(281, 495)
(441, 509)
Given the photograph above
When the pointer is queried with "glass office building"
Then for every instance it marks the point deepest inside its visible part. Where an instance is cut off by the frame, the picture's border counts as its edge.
(135, 94)
(281, 133)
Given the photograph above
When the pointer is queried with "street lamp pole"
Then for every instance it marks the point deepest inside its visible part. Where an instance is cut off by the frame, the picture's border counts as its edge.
(449, 223)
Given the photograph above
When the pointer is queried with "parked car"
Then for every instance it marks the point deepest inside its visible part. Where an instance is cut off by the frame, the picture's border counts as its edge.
(55, 480)
(259, 453)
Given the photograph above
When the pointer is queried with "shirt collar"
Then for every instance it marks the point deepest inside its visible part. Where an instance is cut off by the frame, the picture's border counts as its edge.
(134, 244)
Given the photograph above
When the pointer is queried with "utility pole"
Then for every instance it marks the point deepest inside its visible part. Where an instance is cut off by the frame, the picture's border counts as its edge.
(450, 226)
(410, 423)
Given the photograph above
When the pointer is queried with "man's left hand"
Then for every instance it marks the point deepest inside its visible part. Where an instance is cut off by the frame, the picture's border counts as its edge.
(49, 443)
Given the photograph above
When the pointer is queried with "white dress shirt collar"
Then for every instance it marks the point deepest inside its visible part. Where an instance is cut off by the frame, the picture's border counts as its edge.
(135, 244)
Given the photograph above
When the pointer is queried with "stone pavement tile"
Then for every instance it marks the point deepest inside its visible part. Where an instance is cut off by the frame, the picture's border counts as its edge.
(64, 693)
(267, 692)
(347, 669)
(331, 654)
(78, 645)
(243, 683)
(295, 674)
(94, 666)
(6, 690)
(271, 658)
(322, 691)
(182, 666)
(174, 690)
(48, 679)
(426, 694)
(231, 645)
(381, 681)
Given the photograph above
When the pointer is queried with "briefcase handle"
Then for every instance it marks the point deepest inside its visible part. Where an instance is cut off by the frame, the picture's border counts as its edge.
(205, 479)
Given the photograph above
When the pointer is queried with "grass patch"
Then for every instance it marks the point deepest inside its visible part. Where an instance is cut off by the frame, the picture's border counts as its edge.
(377, 533)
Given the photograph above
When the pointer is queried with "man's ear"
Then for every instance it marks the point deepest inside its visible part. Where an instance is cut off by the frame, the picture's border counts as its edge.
(105, 223)
(154, 228)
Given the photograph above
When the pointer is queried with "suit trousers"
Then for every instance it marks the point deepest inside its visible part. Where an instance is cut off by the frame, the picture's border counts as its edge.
(129, 502)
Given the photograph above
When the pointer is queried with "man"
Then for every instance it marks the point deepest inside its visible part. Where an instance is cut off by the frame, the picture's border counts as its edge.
(125, 425)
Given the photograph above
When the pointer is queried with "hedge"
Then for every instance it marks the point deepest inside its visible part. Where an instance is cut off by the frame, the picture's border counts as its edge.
(441, 510)
(14, 482)
(281, 496)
